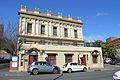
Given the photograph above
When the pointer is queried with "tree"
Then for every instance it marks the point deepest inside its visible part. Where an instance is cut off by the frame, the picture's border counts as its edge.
(97, 43)
(108, 50)
(9, 39)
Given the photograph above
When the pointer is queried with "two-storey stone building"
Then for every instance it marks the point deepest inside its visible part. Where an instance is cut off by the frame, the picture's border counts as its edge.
(55, 38)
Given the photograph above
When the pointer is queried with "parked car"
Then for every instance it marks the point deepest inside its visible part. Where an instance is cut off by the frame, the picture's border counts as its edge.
(69, 67)
(116, 75)
(113, 62)
(107, 60)
(37, 67)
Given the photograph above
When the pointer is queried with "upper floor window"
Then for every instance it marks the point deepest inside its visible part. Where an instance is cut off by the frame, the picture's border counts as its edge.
(65, 32)
(54, 31)
(42, 29)
(29, 28)
(75, 33)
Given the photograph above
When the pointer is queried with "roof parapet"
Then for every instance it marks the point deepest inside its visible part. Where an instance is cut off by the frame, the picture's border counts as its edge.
(48, 13)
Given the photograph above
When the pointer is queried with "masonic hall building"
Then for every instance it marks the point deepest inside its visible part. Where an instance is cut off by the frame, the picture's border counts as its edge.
(43, 36)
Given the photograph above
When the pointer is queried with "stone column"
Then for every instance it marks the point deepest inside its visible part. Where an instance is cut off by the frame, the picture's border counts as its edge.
(69, 34)
(39, 56)
(19, 63)
(46, 29)
(20, 25)
(81, 34)
(62, 31)
(60, 60)
(50, 29)
(26, 60)
(72, 32)
(37, 27)
(24, 29)
(33, 27)
(78, 33)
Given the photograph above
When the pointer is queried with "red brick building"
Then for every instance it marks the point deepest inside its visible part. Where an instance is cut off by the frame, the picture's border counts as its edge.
(115, 41)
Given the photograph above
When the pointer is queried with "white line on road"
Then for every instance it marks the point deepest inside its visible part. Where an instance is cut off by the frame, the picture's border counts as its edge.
(14, 79)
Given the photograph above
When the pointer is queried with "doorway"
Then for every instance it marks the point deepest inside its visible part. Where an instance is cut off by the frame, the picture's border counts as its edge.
(83, 60)
(33, 58)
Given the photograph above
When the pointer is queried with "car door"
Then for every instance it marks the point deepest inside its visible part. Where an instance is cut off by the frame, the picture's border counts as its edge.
(74, 66)
(49, 68)
(41, 67)
(80, 67)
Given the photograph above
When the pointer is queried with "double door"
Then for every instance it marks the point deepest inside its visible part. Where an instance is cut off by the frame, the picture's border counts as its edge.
(33, 58)
(83, 60)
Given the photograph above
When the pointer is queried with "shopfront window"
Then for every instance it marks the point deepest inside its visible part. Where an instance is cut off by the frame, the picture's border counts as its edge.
(95, 59)
(95, 55)
(52, 59)
(68, 58)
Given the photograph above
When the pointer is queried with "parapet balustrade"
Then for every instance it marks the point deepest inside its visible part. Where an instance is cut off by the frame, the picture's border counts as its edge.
(48, 13)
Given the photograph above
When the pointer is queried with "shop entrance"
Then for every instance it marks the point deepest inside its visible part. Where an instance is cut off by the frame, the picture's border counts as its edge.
(33, 58)
(33, 55)
(83, 60)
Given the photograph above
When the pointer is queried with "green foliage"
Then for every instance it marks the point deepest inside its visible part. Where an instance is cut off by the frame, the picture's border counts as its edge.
(108, 49)
(118, 58)
(97, 43)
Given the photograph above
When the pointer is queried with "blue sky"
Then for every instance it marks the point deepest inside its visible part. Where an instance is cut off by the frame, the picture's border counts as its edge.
(101, 17)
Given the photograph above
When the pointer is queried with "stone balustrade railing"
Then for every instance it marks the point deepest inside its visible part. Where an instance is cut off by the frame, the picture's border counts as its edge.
(36, 11)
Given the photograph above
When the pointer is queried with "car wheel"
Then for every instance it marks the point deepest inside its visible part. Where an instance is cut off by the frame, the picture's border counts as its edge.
(55, 71)
(35, 71)
(69, 70)
(84, 69)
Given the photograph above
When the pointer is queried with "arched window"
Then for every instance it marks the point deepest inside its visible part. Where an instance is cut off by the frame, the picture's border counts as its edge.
(33, 51)
(95, 54)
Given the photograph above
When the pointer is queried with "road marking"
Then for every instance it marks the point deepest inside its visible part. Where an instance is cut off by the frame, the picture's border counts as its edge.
(14, 79)
(13, 75)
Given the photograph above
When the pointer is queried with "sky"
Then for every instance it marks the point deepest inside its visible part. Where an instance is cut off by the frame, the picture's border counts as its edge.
(101, 18)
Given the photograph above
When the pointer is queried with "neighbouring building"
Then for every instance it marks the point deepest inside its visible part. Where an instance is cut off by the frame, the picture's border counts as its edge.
(116, 42)
(44, 36)
(1, 30)
(88, 44)
(4, 55)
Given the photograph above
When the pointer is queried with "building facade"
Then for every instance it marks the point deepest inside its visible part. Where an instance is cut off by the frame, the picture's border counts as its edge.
(1, 30)
(116, 42)
(44, 36)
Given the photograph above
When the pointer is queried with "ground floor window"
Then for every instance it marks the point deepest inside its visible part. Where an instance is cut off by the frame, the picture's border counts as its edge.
(68, 58)
(95, 59)
(52, 59)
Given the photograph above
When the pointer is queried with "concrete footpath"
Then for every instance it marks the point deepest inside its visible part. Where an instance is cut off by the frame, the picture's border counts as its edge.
(6, 72)
(107, 67)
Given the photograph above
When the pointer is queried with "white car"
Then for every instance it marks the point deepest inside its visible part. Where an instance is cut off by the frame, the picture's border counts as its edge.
(116, 75)
(69, 67)
(107, 60)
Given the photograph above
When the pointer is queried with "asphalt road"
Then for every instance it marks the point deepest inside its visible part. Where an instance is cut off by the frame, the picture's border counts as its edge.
(98, 75)
(105, 74)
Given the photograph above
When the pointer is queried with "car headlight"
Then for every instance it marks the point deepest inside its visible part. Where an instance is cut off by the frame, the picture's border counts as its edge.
(115, 75)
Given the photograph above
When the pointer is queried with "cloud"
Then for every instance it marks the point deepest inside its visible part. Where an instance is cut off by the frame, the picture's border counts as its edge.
(101, 14)
(93, 38)
(118, 24)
